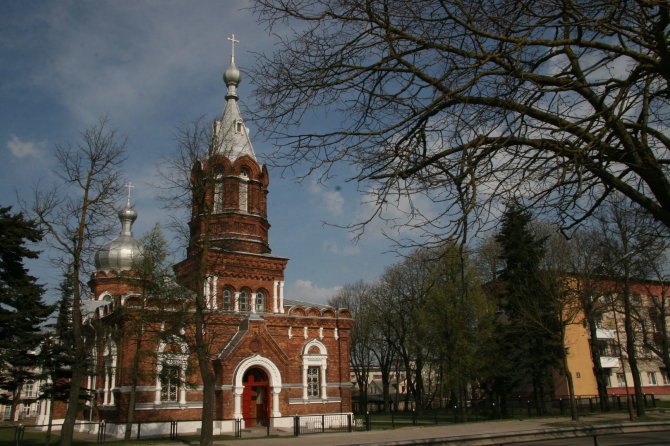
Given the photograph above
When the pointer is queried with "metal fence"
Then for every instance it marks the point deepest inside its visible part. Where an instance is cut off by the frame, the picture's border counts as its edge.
(487, 409)
(249, 427)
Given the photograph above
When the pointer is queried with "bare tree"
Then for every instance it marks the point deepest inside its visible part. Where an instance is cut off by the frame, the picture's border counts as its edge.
(357, 298)
(159, 302)
(559, 102)
(585, 268)
(76, 214)
(629, 236)
(656, 330)
(188, 190)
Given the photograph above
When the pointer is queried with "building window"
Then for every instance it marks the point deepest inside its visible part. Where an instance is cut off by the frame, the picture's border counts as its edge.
(238, 126)
(315, 364)
(227, 299)
(210, 292)
(169, 383)
(651, 377)
(621, 380)
(260, 302)
(313, 382)
(29, 390)
(218, 195)
(244, 301)
(171, 371)
(664, 375)
(244, 204)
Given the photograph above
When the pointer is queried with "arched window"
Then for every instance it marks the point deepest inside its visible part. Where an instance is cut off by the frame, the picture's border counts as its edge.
(218, 194)
(227, 299)
(244, 300)
(244, 201)
(170, 382)
(171, 371)
(109, 376)
(314, 370)
(260, 301)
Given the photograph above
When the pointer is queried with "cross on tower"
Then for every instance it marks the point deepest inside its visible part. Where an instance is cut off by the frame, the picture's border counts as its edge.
(129, 186)
(233, 41)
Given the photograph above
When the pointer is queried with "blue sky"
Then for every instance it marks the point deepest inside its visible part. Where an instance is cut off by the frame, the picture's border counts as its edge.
(150, 66)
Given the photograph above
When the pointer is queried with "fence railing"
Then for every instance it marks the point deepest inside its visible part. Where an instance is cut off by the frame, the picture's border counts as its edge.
(513, 406)
(294, 425)
(539, 435)
(307, 424)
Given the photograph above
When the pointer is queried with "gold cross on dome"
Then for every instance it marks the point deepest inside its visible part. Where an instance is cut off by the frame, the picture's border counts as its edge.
(129, 186)
(233, 40)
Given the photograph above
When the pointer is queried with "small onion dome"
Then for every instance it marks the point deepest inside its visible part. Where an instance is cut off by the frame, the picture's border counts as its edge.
(232, 78)
(120, 253)
(232, 75)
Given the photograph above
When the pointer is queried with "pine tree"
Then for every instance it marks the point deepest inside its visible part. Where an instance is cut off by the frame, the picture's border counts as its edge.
(531, 329)
(55, 356)
(22, 310)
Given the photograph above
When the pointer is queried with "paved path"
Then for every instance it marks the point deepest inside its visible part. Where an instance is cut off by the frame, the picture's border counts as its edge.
(414, 433)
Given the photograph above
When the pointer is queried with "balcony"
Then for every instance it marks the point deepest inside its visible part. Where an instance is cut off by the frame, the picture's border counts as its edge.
(609, 362)
(605, 333)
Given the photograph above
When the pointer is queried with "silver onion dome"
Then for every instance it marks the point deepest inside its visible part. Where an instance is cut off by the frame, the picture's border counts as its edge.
(232, 75)
(123, 251)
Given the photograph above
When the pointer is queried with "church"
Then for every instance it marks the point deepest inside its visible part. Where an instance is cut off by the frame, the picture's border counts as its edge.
(273, 357)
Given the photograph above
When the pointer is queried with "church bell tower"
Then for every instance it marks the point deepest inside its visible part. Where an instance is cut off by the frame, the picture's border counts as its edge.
(229, 218)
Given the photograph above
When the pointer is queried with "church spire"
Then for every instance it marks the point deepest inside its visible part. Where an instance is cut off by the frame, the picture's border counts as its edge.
(230, 133)
(232, 76)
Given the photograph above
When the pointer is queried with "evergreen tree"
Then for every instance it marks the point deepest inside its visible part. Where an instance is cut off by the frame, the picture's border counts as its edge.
(22, 310)
(530, 329)
(55, 356)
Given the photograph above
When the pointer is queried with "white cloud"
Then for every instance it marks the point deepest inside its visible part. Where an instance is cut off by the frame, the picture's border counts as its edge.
(129, 61)
(333, 248)
(308, 291)
(331, 201)
(21, 149)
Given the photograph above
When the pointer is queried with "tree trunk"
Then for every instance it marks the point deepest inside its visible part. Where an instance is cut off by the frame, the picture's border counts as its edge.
(77, 368)
(386, 395)
(47, 437)
(574, 414)
(15, 402)
(632, 354)
(598, 371)
(134, 371)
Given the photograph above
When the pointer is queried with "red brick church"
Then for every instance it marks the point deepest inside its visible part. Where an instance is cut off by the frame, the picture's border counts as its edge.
(274, 357)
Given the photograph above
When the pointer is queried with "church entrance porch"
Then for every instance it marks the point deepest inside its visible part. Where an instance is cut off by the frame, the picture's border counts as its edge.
(255, 397)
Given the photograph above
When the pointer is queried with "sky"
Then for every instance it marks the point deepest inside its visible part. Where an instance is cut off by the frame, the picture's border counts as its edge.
(149, 67)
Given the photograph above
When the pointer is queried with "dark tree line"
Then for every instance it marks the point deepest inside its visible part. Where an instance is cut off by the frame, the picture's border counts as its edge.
(494, 323)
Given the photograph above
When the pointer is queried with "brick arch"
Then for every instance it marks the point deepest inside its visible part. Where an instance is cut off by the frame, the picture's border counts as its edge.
(314, 312)
(314, 343)
(219, 164)
(246, 162)
(274, 376)
(296, 311)
(104, 295)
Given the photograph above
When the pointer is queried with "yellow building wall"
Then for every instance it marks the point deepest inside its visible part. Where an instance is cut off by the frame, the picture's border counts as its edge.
(579, 362)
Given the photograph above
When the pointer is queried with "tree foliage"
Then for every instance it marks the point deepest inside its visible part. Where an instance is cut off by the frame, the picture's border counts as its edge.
(531, 325)
(426, 319)
(22, 310)
(559, 102)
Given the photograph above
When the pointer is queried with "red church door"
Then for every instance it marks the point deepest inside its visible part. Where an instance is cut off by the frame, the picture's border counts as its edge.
(255, 402)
